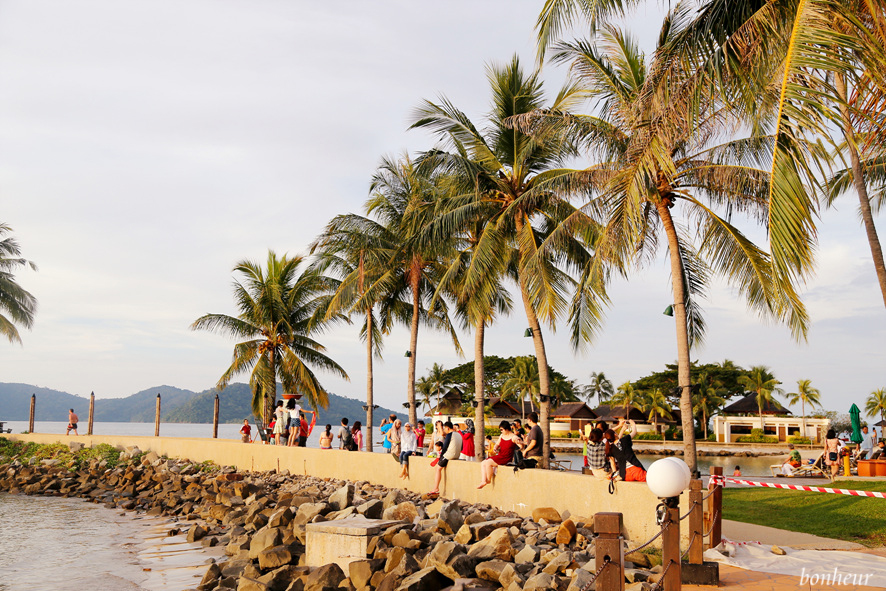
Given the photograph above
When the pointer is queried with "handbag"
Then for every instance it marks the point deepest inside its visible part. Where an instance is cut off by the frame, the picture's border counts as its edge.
(832, 456)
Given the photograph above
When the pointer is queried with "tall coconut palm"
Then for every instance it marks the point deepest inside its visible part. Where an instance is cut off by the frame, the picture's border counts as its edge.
(281, 308)
(17, 305)
(424, 387)
(509, 174)
(523, 382)
(660, 142)
(404, 198)
(481, 301)
(805, 394)
(356, 249)
(763, 385)
(876, 404)
(600, 386)
(438, 383)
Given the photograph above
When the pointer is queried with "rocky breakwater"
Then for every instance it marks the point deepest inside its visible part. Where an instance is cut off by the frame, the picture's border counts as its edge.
(260, 519)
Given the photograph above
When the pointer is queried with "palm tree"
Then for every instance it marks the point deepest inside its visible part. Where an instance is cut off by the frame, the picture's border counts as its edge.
(656, 405)
(523, 382)
(600, 387)
(425, 388)
(709, 396)
(17, 305)
(763, 384)
(563, 390)
(403, 199)
(659, 142)
(280, 311)
(805, 394)
(505, 175)
(437, 380)
(876, 403)
(628, 397)
(356, 249)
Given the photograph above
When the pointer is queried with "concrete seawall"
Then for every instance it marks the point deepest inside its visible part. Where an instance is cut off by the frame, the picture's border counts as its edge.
(520, 492)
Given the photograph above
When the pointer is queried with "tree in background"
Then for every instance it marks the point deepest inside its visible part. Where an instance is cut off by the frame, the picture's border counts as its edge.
(436, 380)
(805, 394)
(763, 385)
(656, 405)
(628, 397)
(522, 383)
(708, 398)
(600, 387)
(876, 404)
(17, 305)
(280, 311)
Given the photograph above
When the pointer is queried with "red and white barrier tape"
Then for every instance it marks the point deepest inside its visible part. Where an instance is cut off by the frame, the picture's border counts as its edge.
(721, 480)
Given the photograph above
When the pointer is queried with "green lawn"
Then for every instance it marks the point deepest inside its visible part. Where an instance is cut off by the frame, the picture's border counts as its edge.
(856, 519)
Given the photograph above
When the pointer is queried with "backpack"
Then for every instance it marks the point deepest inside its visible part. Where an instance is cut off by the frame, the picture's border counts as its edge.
(348, 441)
(519, 461)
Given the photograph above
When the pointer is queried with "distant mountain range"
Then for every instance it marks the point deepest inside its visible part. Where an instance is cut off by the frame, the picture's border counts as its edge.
(177, 406)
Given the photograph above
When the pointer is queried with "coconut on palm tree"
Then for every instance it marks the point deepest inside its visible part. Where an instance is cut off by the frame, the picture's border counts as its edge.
(281, 309)
(805, 394)
(876, 404)
(17, 305)
(763, 385)
(505, 184)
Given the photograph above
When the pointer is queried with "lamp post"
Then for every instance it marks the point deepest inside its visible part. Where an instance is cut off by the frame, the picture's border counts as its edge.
(667, 478)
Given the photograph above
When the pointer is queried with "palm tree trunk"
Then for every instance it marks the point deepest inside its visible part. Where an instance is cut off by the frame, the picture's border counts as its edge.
(864, 202)
(680, 319)
(369, 390)
(544, 386)
(762, 425)
(704, 416)
(413, 343)
(271, 398)
(803, 410)
(479, 393)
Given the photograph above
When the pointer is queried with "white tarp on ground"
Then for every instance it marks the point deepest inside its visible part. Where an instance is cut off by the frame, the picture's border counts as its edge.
(822, 568)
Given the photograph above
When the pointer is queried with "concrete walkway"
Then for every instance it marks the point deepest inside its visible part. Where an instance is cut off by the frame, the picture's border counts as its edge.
(748, 532)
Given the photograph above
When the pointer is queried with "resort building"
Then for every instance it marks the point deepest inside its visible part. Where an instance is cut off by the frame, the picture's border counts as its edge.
(741, 416)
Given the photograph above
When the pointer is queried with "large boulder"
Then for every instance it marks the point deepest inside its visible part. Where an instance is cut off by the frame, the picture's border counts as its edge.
(275, 557)
(361, 571)
(342, 498)
(371, 509)
(484, 528)
(264, 539)
(452, 515)
(450, 560)
(329, 575)
(491, 570)
(566, 533)
(498, 544)
(549, 514)
(395, 497)
(428, 579)
(404, 511)
(308, 511)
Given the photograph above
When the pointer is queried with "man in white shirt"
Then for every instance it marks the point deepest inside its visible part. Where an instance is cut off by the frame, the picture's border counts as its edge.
(866, 447)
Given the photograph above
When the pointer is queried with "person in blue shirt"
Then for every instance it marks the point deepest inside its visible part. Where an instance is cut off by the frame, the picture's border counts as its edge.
(385, 427)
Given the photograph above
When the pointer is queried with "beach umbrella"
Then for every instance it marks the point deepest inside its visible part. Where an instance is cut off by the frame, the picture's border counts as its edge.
(855, 417)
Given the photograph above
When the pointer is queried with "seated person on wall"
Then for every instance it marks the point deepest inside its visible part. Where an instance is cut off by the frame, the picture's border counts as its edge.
(621, 452)
(408, 447)
(597, 454)
(866, 447)
(452, 443)
(508, 441)
(792, 462)
(880, 452)
(534, 440)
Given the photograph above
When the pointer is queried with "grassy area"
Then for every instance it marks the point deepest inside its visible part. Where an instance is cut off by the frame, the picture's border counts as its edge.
(856, 519)
(24, 451)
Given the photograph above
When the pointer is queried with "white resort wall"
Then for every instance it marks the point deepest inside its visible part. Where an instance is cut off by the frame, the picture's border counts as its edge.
(521, 492)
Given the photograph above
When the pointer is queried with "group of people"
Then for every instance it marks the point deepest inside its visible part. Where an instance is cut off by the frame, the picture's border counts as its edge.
(609, 453)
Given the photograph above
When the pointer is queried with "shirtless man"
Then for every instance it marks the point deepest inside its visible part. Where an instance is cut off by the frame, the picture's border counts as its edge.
(72, 422)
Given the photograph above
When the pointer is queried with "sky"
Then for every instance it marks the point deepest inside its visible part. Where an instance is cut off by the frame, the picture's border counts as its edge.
(147, 146)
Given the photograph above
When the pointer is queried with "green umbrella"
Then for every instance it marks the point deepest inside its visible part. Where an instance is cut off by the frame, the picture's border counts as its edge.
(855, 417)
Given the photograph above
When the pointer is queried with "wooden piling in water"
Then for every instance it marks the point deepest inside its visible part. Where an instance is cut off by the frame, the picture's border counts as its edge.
(157, 418)
(91, 412)
(31, 415)
(215, 419)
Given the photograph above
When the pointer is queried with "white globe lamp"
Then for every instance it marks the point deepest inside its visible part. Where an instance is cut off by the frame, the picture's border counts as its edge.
(668, 477)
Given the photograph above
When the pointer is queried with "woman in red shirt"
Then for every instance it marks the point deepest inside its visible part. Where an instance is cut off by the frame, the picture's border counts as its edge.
(508, 441)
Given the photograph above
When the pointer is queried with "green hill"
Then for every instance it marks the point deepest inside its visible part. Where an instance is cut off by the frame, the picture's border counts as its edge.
(177, 405)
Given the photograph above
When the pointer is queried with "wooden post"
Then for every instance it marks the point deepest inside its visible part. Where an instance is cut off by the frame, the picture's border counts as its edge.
(157, 418)
(91, 412)
(609, 545)
(715, 509)
(215, 419)
(31, 416)
(696, 523)
(670, 550)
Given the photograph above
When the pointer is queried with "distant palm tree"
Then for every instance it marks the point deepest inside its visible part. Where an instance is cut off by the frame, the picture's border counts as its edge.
(876, 403)
(17, 305)
(280, 310)
(628, 397)
(437, 379)
(424, 387)
(763, 384)
(600, 387)
(710, 396)
(656, 405)
(563, 390)
(805, 394)
(522, 383)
